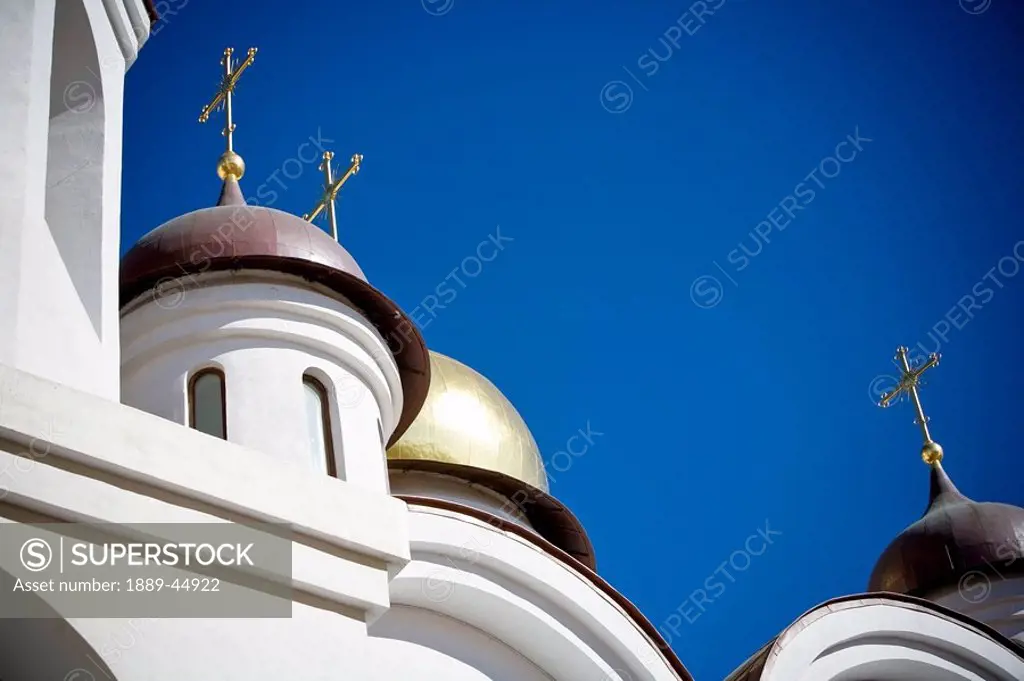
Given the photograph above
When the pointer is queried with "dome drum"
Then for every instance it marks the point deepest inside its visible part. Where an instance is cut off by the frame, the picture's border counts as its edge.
(233, 237)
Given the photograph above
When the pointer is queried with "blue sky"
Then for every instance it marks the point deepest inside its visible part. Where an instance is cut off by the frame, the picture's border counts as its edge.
(628, 153)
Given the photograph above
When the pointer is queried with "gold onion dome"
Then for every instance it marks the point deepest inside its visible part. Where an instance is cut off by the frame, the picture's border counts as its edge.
(467, 429)
(465, 420)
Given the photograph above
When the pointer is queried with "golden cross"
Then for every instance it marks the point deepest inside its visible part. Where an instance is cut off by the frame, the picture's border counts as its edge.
(908, 383)
(331, 189)
(232, 72)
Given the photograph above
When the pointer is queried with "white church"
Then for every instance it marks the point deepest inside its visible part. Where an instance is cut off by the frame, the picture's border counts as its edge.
(237, 366)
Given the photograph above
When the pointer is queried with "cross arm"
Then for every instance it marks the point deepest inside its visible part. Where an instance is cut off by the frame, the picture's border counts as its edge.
(933, 360)
(319, 208)
(228, 83)
(331, 190)
(352, 170)
(888, 397)
(231, 80)
(214, 103)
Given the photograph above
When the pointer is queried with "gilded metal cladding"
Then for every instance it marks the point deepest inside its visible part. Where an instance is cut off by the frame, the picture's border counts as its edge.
(466, 420)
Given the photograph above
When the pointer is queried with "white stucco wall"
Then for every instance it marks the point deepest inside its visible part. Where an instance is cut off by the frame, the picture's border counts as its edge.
(266, 331)
(419, 644)
(26, 50)
(61, 97)
(312, 645)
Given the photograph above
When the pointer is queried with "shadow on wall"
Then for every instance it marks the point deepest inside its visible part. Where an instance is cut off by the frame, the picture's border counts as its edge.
(75, 158)
(427, 644)
(44, 646)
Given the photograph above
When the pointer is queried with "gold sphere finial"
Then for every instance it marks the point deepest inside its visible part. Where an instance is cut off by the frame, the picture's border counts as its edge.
(931, 452)
(230, 165)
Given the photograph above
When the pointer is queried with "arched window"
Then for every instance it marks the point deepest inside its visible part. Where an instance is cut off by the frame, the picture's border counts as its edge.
(207, 406)
(318, 420)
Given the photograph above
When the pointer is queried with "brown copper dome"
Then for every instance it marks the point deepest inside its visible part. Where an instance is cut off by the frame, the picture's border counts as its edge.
(234, 236)
(955, 537)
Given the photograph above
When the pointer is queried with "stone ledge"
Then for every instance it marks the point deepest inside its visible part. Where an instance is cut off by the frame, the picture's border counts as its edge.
(338, 580)
(151, 454)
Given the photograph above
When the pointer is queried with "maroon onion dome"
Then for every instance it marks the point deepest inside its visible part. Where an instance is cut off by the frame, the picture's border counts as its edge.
(233, 236)
(956, 537)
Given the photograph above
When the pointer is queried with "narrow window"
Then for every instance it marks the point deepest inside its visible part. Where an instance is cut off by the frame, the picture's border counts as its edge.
(207, 404)
(318, 419)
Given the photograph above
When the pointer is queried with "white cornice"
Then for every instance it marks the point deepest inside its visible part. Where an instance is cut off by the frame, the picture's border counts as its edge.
(130, 22)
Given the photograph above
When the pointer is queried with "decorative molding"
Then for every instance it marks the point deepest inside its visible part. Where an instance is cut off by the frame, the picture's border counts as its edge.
(131, 26)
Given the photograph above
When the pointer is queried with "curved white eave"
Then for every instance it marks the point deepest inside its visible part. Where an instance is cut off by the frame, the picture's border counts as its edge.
(574, 631)
(874, 634)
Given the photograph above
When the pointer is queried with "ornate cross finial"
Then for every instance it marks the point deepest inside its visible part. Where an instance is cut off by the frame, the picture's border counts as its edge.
(230, 163)
(931, 452)
(331, 189)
